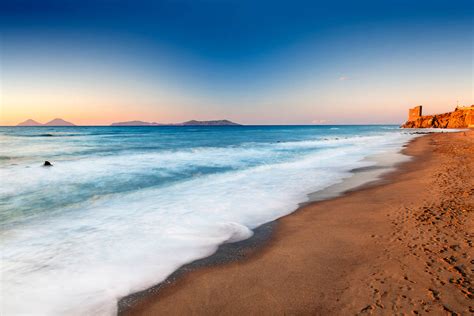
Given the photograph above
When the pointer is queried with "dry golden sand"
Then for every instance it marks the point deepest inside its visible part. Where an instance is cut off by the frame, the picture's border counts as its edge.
(403, 247)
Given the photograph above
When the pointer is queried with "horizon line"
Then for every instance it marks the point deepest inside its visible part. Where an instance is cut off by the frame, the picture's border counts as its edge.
(239, 124)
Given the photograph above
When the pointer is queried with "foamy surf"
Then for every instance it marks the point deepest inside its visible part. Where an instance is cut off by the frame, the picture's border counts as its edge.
(106, 222)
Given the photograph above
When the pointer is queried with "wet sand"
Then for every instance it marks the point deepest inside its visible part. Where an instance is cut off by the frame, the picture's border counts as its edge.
(402, 246)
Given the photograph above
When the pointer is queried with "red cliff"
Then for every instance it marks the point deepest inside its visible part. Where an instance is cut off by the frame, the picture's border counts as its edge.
(461, 117)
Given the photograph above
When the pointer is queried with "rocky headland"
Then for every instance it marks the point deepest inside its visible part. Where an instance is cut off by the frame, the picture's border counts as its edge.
(461, 117)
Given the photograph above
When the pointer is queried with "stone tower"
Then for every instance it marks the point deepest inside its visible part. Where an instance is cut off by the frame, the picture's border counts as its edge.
(414, 113)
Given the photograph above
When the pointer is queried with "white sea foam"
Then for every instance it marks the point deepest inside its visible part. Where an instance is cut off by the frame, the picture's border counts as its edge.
(83, 260)
(27, 177)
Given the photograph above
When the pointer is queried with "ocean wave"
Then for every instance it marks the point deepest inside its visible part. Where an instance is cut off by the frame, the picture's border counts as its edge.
(102, 247)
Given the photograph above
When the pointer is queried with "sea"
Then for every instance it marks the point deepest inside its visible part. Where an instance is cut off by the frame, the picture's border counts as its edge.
(121, 208)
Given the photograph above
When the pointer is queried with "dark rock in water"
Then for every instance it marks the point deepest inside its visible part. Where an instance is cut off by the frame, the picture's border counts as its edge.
(47, 164)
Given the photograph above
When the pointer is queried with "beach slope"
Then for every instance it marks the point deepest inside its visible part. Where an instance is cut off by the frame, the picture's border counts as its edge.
(402, 246)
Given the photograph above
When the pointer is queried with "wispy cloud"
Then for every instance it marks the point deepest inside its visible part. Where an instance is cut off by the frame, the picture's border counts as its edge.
(344, 78)
(319, 121)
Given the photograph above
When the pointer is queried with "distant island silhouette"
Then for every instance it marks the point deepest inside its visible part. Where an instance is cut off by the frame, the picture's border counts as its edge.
(55, 122)
(187, 123)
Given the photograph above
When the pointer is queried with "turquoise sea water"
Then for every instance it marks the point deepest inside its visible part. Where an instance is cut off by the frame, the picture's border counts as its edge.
(123, 207)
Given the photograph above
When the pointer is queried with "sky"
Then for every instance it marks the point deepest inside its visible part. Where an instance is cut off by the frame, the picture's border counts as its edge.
(253, 62)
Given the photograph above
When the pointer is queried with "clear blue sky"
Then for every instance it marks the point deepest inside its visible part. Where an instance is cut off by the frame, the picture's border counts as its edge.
(283, 62)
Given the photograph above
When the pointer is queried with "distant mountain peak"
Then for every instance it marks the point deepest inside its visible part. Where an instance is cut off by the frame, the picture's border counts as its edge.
(208, 123)
(55, 122)
(29, 122)
(59, 122)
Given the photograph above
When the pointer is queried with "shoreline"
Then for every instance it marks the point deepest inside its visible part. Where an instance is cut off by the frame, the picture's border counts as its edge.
(363, 177)
(231, 252)
(226, 253)
(230, 258)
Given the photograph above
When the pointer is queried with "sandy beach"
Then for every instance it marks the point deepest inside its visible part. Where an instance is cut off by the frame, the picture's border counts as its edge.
(403, 246)
(236, 158)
